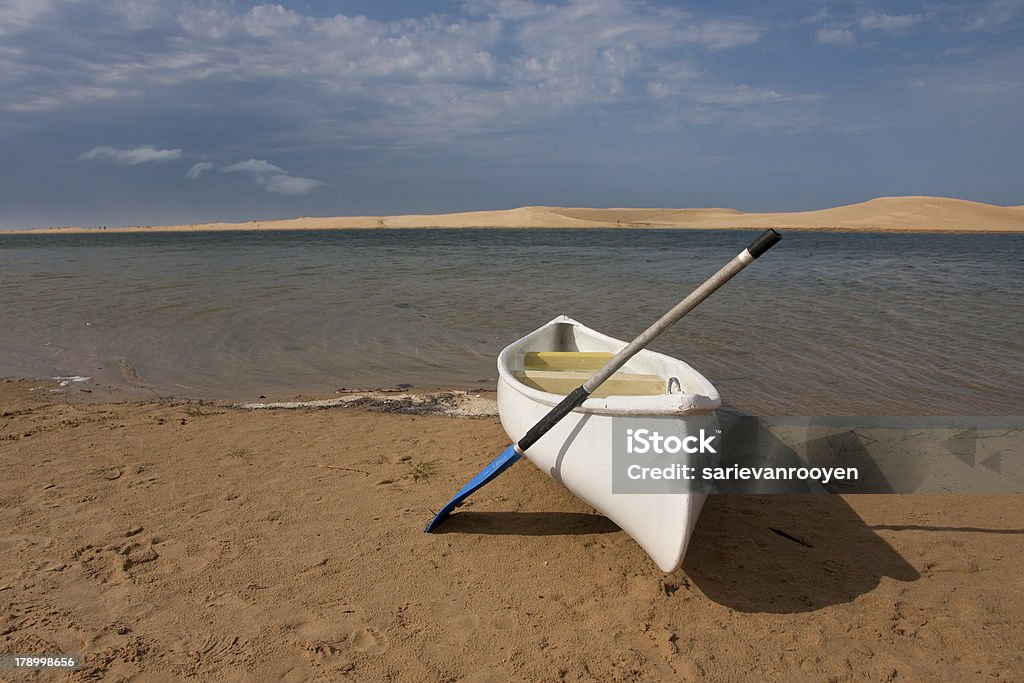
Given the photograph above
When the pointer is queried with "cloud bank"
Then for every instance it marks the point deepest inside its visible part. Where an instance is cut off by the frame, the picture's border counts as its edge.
(496, 64)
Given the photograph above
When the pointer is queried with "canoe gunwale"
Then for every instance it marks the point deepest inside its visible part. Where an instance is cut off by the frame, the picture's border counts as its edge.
(683, 403)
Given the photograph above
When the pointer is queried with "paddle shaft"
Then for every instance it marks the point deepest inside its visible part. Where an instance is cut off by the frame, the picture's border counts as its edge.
(762, 244)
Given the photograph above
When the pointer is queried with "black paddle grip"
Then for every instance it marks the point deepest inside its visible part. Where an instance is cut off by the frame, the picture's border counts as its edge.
(763, 243)
(573, 400)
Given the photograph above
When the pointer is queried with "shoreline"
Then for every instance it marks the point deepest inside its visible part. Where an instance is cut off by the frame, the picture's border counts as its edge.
(451, 401)
(885, 214)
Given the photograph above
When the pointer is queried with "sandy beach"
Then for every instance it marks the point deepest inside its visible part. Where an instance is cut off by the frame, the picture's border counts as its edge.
(166, 539)
(884, 214)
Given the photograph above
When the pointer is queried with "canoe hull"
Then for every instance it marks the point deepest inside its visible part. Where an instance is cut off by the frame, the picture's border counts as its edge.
(577, 452)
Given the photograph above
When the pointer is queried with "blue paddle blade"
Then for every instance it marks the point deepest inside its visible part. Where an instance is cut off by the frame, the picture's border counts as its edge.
(499, 465)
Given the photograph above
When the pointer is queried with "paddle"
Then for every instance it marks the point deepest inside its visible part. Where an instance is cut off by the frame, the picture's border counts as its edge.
(762, 244)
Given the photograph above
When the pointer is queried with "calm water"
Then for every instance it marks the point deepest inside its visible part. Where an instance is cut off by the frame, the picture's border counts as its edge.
(825, 323)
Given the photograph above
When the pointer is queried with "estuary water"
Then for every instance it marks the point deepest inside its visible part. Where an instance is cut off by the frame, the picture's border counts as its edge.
(825, 323)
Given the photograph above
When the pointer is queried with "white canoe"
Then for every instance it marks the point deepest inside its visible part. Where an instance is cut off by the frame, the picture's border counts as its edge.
(577, 452)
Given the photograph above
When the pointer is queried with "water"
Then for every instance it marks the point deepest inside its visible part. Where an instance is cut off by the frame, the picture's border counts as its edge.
(825, 323)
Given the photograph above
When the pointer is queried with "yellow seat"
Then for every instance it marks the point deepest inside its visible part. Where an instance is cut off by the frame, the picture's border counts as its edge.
(563, 381)
(566, 360)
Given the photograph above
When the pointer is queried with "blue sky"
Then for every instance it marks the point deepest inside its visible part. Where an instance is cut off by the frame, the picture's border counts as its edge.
(145, 111)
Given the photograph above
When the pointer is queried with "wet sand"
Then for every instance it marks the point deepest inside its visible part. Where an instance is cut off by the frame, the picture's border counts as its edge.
(177, 539)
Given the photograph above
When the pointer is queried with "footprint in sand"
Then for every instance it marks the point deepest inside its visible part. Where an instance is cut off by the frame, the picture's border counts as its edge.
(182, 559)
(368, 640)
(467, 623)
(322, 635)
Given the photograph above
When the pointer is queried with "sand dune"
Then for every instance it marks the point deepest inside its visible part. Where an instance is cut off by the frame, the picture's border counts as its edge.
(902, 214)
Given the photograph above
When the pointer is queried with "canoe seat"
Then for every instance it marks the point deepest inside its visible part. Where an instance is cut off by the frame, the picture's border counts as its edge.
(566, 360)
(563, 381)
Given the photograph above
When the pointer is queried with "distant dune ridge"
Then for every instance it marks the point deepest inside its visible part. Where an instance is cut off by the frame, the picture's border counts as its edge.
(898, 214)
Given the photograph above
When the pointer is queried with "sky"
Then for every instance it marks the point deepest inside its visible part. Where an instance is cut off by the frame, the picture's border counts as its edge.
(140, 112)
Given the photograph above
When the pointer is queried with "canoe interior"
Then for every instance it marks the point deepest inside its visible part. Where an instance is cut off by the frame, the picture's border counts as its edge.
(562, 356)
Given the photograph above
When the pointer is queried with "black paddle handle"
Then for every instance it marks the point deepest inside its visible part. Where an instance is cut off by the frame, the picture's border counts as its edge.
(764, 242)
(566, 406)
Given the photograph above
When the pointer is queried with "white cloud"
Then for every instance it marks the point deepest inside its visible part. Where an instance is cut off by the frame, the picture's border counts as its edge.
(198, 169)
(271, 177)
(16, 15)
(268, 20)
(983, 88)
(816, 18)
(995, 15)
(889, 22)
(835, 36)
(133, 156)
(252, 166)
(674, 79)
(286, 184)
(138, 15)
(745, 95)
(743, 106)
(721, 35)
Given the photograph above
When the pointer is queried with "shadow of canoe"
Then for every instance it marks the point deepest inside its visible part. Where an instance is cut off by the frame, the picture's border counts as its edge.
(787, 553)
(527, 524)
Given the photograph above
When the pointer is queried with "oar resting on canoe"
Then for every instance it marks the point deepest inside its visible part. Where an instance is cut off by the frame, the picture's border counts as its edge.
(559, 390)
